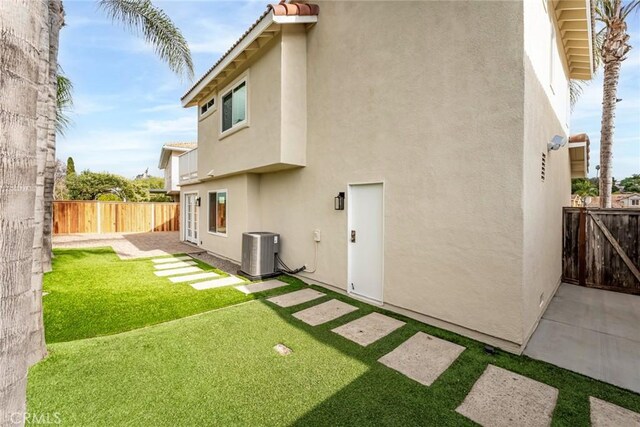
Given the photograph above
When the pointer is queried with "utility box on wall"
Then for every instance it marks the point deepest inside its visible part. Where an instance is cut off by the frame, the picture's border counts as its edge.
(259, 251)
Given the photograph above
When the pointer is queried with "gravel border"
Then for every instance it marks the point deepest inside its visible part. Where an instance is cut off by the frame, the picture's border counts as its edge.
(225, 265)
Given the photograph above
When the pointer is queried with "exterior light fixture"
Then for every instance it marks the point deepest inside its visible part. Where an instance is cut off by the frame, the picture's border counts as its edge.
(556, 143)
(198, 201)
(338, 202)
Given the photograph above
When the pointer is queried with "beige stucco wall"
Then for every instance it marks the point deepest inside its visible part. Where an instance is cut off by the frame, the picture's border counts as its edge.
(241, 213)
(257, 144)
(546, 115)
(430, 129)
(543, 201)
(439, 117)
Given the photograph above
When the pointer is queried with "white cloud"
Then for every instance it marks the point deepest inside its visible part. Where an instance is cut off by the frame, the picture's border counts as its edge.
(162, 107)
(182, 125)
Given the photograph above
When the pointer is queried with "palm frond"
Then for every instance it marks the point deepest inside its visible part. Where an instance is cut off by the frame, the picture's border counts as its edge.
(576, 87)
(64, 102)
(629, 7)
(157, 29)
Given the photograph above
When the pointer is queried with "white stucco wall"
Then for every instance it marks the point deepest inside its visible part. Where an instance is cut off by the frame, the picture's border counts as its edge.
(547, 58)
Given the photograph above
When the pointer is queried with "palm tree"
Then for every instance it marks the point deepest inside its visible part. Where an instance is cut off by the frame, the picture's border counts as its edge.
(28, 57)
(24, 27)
(614, 49)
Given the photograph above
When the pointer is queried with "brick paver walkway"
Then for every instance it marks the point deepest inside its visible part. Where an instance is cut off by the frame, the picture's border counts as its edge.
(129, 245)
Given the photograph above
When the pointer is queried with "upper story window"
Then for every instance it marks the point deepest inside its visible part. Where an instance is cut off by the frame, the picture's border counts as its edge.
(207, 107)
(234, 106)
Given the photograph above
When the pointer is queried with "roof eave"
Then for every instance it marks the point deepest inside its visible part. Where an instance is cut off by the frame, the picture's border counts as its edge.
(575, 21)
(189, 99)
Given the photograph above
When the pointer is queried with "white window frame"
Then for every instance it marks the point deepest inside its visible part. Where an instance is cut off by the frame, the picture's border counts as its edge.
(209, 111)
(243, 78)
(215, 233)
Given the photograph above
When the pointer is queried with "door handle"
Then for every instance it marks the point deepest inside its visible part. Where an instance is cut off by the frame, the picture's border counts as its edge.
(353, 236)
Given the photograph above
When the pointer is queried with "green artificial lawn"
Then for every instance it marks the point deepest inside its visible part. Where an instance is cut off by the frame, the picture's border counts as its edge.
(219, 368)
(92, 292)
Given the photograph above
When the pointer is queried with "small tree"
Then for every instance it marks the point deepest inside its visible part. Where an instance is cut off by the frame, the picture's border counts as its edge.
(71, 167)
(583, 188)
(631, 183)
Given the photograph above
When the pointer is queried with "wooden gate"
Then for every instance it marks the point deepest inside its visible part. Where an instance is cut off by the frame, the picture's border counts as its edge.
(71, 217)
(601, 248)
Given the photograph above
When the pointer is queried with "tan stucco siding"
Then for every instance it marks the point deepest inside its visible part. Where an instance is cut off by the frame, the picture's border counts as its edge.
(241, 213)
(436, 115)
(257, 144)
(543, 200)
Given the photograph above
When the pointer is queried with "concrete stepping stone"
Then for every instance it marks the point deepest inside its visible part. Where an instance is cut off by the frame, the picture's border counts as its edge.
(261, 286)
(325, 312)
(606, 414)
(422, 357)
(176, 271)
(218, 283)
(369, 329)
(171, 259)
(192, 277)
(503, 398)
(174, 265)
(295, 298)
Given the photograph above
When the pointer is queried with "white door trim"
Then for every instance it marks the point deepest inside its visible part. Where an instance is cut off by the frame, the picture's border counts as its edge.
(184, 218)
(348, 233)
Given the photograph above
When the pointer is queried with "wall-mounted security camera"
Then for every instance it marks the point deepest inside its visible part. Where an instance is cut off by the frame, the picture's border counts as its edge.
(556, 143)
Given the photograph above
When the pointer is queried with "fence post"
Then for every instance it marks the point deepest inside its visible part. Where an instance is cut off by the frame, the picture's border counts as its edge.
(582, 247)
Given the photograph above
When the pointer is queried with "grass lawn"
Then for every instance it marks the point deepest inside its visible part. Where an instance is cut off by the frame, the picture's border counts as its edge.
(219, 368)
(92, 292)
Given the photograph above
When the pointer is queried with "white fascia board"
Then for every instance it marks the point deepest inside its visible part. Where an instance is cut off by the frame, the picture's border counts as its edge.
(249, 38)
(590, 36)
(296, 19)
(163, 158)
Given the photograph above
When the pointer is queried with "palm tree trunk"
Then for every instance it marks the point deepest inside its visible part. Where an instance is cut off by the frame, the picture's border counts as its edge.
(23, 27)
(57, 20)
(610, 88)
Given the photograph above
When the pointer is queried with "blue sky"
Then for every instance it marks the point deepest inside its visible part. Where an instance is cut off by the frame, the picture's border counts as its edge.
(127, 102)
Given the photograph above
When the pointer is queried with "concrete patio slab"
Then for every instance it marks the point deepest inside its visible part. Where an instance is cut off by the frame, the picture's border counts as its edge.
(295, 298)
(129, 245)
(369, 329)
(592, 332)
(174, 265)
(218, 283)
(503, 398)
(325, 312)
(422, 357)
(192, 277)
(171, 259)
(176, 271)
(261, 286)
(605, 414)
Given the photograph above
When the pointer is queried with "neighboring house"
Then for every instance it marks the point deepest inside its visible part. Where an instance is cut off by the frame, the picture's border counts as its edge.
(170, 164)
(397, 109)
(620, 200)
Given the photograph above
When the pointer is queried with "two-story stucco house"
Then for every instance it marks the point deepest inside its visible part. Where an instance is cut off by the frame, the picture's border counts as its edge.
(169, 163)
(395, 110)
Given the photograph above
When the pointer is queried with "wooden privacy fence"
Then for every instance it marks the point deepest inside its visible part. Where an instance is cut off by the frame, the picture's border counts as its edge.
(601, 248)
(70, 217)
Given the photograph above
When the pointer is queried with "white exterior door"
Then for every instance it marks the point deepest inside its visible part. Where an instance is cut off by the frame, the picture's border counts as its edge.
(190, 218)
(366, 240)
